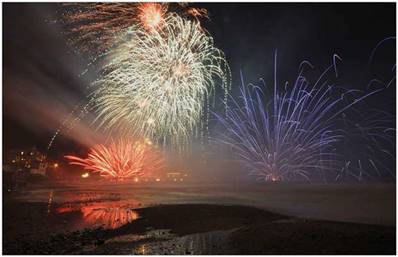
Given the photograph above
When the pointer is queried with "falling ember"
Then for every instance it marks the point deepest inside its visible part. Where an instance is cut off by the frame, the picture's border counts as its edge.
(121, 160)
(151, 15)
(85, 175)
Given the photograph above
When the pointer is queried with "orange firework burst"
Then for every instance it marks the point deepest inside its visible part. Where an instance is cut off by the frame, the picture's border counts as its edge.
(151, 15)
(121, 160)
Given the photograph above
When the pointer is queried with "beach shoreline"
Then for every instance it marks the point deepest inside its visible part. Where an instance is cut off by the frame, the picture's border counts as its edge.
(193, 229)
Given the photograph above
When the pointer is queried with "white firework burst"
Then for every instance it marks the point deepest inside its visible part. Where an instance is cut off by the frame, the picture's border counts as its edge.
(157, 83)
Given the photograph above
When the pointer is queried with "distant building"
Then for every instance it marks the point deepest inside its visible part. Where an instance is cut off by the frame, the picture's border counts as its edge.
(29, 160)
(176, 176)
(41, 170)
(7, 168)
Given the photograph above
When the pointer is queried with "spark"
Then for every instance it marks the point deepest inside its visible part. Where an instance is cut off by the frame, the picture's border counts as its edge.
(121, 160)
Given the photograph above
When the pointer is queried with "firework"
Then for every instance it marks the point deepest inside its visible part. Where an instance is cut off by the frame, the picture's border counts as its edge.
(289, 133)
(158, 67)
(122, 159)
(157, 83)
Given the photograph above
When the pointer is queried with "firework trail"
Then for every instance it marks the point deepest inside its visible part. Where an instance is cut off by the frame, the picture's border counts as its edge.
(157, 82)
(291, 133)
(69, 122)
(122, 159)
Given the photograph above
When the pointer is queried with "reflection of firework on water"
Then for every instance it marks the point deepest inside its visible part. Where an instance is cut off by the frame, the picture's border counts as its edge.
(290, 133)
(157, 82)
(121, 160)
(109, 215)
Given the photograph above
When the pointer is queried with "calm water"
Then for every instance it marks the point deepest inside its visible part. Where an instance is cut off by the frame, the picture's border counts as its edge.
(112, 206)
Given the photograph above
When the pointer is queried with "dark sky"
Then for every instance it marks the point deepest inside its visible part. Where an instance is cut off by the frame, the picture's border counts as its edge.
(40, 73)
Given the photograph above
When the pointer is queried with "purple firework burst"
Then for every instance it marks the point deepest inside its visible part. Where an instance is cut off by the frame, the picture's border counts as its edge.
(292, 132)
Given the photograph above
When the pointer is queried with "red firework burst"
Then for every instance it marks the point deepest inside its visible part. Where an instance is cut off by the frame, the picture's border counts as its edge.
(122, 159)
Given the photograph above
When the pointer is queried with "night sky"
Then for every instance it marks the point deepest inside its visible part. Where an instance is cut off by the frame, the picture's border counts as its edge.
(41, 82)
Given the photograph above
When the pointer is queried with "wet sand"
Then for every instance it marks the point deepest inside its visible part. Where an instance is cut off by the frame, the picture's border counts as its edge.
(28, 228)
